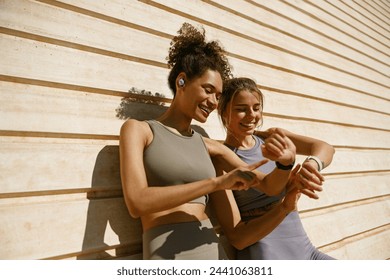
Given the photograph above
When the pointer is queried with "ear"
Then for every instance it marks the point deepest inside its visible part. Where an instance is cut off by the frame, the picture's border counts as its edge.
(181, 80)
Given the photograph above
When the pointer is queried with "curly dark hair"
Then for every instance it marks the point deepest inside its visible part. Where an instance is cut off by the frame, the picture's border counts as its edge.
(232, 87)
(190, 53)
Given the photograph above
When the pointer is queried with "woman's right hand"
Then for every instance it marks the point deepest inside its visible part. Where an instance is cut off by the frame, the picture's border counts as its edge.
(293, 194)
(290, 200)
(241, 178)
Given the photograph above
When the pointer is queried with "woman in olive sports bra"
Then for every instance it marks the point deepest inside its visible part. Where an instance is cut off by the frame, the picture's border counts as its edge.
(167, 169)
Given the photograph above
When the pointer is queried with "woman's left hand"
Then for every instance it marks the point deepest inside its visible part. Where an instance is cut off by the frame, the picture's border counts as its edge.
(309, 180)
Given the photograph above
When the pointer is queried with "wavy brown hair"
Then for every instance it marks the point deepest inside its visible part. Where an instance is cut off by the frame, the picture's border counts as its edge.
(190, 53)
(231, 87)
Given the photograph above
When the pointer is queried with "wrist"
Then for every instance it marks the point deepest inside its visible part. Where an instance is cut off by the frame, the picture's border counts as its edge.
(283, 166)
(320, 164)
(285, 209)
(216, 183)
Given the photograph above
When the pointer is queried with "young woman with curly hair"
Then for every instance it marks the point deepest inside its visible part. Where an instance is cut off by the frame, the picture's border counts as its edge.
(167, 169)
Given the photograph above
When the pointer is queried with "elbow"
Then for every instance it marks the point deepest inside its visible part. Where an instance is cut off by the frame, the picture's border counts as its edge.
(330, 151)
(138, 209)
(236, 241)
(329, 148)
(134, 214)
(238, 244)
(134, 210)
(333, 150)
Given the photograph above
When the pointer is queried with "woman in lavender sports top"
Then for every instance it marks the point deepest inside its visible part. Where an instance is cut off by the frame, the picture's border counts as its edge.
(240, 108)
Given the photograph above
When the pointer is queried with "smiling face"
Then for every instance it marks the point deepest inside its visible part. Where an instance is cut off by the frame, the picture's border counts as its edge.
(243, 113)
(202, 94)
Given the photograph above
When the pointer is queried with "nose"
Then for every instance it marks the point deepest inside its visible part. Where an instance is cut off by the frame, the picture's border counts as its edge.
(212, 100)
(250, 112)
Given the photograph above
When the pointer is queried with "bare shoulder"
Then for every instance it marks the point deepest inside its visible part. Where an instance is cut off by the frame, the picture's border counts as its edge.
(213, 146)
(132, 129)
(216, 148)
(132, 124)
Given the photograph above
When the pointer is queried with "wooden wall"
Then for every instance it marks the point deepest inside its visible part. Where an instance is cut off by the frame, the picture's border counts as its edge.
(65, 72)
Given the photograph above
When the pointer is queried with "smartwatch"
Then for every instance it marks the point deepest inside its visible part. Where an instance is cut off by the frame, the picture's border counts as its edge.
(320, 163)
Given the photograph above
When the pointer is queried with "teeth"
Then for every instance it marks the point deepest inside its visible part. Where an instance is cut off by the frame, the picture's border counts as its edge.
(247, 124)
(206, 109)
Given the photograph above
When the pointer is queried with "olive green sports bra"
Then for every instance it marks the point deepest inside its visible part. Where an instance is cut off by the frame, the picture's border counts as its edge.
(173, 159)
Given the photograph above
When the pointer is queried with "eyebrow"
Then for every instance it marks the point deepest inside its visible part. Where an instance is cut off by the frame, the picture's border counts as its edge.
(211, 86)
(246, 104)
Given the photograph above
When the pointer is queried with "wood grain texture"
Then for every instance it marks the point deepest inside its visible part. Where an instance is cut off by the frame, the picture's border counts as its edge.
(66, 71)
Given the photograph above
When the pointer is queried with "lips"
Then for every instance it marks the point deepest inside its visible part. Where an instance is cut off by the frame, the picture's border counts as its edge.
(248, 125)
(205, 109)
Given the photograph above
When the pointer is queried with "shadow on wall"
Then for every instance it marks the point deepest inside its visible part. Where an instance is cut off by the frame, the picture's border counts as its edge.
(145, 109)
(110, 231)
(141, 105)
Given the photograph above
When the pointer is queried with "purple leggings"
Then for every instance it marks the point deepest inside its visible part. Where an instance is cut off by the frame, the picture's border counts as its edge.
(288, 241)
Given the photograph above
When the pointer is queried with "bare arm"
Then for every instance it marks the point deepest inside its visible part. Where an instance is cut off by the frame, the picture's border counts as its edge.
(305, 145)
(226, 160)
(311, 178)
(242, 234)
(311, 146)
(142, 199)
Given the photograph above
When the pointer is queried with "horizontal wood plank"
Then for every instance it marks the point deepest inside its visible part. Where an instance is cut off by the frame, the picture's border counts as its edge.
(342, 189)
(361, 16)
(279, 79)
(69, 111)
(254, 31)
(66, 70)
(333, 225)
(169, 24)
(373, 245)
(48, 227)
(78, 164)
(343, 26)
(81, 29)
(38, 60)
(313, 43)
(47, 58)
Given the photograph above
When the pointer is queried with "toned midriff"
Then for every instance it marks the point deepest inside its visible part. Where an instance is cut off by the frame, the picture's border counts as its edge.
(188, 212)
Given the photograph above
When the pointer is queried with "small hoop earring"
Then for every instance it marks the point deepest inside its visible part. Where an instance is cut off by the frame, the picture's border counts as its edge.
(181, 82)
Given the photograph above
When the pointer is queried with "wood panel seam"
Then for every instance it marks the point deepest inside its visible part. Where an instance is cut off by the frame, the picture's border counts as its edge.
(353, 238)
(303, 40)
(34, 37)
(341, 206)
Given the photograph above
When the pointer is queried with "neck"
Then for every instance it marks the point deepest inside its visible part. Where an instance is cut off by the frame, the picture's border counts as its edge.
(240, 141)
(177, 121)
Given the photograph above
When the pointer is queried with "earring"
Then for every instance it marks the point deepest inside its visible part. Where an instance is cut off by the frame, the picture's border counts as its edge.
(181, 82)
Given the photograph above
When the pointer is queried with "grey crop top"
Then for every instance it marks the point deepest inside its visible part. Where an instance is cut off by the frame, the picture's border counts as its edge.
(253, 198)
(173, 159)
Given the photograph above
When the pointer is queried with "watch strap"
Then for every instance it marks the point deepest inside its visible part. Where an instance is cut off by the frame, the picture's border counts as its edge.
(320, 163)
(284, 167)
